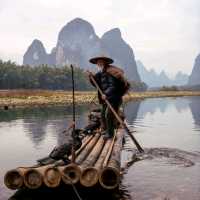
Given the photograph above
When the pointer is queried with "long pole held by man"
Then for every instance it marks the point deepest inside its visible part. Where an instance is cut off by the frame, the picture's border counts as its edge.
(73, 123)
(111, 86)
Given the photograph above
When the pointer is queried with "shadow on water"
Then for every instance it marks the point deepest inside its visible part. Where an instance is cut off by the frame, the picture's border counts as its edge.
(67, 192)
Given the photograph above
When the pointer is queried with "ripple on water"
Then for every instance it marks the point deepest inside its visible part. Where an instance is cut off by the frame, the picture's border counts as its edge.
(162, 173)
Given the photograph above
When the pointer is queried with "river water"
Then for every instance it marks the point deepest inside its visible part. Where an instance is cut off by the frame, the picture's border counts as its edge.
(168, 129)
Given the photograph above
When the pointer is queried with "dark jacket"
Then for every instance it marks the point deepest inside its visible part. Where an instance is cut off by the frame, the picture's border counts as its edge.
(110, 86)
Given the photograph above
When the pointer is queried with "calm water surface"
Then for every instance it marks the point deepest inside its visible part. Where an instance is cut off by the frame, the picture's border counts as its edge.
(168, 129)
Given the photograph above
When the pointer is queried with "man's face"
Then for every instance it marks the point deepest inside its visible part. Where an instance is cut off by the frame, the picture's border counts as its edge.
(101, 63)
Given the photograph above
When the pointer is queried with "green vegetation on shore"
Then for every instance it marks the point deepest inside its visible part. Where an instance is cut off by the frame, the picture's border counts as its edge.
(169, 88)
(27, 98)
(13, 76)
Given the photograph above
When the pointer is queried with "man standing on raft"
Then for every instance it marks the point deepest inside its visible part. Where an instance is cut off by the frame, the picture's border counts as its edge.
(111, 81)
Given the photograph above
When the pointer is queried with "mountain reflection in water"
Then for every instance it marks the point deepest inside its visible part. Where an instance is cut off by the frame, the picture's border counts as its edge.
(168, 129)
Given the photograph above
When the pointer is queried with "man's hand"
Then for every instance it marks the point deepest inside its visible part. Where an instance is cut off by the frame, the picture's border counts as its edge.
(89, 73)
(103, 97)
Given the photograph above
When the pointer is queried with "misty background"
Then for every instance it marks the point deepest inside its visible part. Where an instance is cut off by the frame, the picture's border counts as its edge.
(164, 34)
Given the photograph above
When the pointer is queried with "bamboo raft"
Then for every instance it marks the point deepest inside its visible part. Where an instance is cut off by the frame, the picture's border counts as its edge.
(97, 163)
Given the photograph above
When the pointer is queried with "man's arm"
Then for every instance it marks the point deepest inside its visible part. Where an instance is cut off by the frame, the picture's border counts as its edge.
(96, 77)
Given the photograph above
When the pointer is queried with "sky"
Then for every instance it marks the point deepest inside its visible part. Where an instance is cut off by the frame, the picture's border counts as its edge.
(164, 34)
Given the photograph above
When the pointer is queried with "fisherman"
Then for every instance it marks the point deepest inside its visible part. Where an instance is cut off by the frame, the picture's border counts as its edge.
(113, 84)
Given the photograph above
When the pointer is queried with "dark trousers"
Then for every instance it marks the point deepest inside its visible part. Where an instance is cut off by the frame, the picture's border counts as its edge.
(108, 118)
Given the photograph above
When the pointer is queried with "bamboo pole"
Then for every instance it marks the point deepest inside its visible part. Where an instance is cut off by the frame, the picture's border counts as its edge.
(109, 176)
(74, 116)
(70, 174)
(14, 179)
(51, 177)
(87, 139)
(48, 174)
(98, 165)
(89, 176)
(94, 170)
(88, 148)
(32, 178)
(93, 156)
(110, 150)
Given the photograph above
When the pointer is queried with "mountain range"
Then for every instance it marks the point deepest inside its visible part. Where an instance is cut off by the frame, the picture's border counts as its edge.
(77, 43)
(153, 79)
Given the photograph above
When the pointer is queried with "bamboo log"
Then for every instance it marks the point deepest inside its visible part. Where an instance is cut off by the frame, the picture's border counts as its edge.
(35, 177)
(94, 171)
(86, 140)
(13, 179)
(109, 151)
(98, 165)
(94, 154)
(32, 178)
(110, 175)
(88, 148)
(51, 177)
(89, 176)
(70, 173)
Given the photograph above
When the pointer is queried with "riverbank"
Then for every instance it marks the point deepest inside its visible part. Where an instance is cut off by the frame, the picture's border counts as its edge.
(27, 98)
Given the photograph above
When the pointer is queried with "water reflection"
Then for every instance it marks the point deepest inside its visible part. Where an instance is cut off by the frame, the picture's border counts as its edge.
(36, 130)
(131, 110)
(181, 104)
(195, 109)
(38, 122)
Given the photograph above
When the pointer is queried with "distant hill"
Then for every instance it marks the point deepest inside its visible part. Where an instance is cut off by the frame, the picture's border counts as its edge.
(194, 78)
(77, 43)
(180, 79)
(153, 79)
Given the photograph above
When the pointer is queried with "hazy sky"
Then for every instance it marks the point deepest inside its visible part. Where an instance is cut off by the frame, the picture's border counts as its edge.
(164, 34)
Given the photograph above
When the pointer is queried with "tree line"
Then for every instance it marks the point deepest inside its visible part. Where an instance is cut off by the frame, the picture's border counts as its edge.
(13, 76)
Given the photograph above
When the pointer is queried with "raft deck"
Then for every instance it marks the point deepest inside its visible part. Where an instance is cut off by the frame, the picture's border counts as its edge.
(97, 163)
